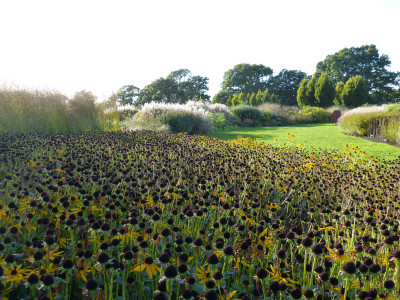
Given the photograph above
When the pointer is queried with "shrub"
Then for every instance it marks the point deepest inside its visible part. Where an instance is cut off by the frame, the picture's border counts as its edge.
(393, 107)
(247, 115)
(310, 114)
(184, 121)
(48, 112)
(178, 121)
(193, 117)
(380, 124)
(271, 118)
(362, 110)
(138, 122)
(219, 121)
(83, 111)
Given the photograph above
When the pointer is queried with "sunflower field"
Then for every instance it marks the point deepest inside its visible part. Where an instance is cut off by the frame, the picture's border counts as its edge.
(154, 215)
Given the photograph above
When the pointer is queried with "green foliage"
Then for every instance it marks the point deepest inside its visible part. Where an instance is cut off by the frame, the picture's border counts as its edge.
(384, 124)
(184, 121)
(178, 87)
(310, 91)
(23, 111)
(221, 97)
(252, 100)
(271, 118)
(285, 86)
(366, 62)
(128, 95)
(273, 98)
(219, 121)
(354, 92)
(241, 99)
(266, 96)
(302, 98)
(324, 91)
(247, 115)
(259, 98)
(338, 94)
(393, 107)
(178, 121)
(246, 78)
(83, 111)
(309, 115)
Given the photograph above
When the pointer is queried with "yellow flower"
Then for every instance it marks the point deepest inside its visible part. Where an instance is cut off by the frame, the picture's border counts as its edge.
(52, 254)
(329, 228)
(277, 277)
(83, 269)
(3, 214)
(16, 274)
(148, 266)
(203, 273)
(244, 263)
(229, 296)
(335, 255)
(63, 241)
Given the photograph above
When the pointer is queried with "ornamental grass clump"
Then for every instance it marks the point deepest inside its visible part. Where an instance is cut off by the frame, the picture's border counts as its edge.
(192, 117)
(380, 122)
(48, 112)
(155, 215)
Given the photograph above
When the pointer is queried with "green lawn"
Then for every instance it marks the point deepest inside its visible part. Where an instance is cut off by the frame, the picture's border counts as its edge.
(318, 136)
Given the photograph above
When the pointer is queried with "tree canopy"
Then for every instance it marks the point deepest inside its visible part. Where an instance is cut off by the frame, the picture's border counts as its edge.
(354, 92)
(246, 78)
(178, 87)
(285, 85)
(128, 94)
(366, 62)
(324, 91)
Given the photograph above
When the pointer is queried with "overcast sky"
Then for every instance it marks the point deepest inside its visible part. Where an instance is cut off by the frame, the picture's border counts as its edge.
(100, 46)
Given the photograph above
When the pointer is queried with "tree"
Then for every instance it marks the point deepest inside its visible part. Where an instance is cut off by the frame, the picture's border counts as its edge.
(246, 78)
(229, 102)
(274, 98)
(364, 61)
(253, 101)
(310, 91)
(190, 87)
(324, 91)
(338, 93)
(235, 100)
(178, 87)
(259, 97)
(266, 96)
(160, 90)
(221, 97)
(196, 88)
(128, 95)
(354, 92)
(241, 99)
(302, 99)
(285, 85)
(179, 75)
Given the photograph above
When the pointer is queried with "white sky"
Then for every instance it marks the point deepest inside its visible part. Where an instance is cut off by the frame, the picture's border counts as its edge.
(102, 45)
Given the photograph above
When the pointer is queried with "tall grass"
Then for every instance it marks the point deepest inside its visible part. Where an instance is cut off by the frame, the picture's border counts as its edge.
(25, 111)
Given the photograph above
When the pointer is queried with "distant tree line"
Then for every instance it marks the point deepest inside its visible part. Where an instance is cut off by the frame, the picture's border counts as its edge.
(178, 87)
(352, 77)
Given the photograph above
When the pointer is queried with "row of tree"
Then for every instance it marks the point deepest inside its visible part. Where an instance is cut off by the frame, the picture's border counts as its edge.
(350, 67)
(251, 99)
(320, 91)
(178, 87)
(250, 79)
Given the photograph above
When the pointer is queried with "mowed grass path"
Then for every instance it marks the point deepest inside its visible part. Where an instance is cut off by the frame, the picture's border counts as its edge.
(317, 136)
